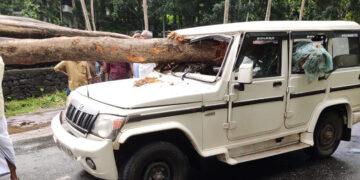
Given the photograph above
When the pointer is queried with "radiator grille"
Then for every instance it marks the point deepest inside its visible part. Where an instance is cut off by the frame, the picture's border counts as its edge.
(80, 120)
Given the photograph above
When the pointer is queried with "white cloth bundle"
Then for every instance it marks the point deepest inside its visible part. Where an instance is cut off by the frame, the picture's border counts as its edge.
(6, 146)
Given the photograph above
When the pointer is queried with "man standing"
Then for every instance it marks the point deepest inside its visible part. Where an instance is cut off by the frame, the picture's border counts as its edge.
(7, 154)
(78, 73)
(146, 68)
(117, 70)
(135, 66)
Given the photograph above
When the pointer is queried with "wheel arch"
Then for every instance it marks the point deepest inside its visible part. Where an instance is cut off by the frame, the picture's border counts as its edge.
(173, 133)
(341, 106)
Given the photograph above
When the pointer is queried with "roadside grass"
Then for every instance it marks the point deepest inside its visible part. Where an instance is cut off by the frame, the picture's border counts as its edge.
(31, 104)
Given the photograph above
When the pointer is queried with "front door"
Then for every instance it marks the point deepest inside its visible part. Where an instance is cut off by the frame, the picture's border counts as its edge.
(259, 107)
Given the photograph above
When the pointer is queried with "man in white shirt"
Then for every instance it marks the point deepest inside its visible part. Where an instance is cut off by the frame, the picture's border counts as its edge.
(146, 68)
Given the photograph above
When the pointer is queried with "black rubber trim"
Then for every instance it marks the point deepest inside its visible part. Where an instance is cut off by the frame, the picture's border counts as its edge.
(135, 118)
(310, 93)
(257, 101)
(344, 88)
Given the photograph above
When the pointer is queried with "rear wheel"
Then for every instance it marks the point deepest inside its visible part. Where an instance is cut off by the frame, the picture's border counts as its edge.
(156, 161)
(327, 135)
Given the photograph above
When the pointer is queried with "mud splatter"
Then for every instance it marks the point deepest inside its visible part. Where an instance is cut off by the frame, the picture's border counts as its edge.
(134, 57)
(99, 48)
(114, 50)
(158, 51)
(155, 50)
(76, 41)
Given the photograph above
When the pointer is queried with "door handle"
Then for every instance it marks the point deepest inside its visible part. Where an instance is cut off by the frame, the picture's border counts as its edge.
(359, 76)
(277, 83)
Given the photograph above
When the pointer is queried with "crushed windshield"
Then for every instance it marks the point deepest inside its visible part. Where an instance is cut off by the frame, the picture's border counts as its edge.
(207, 72)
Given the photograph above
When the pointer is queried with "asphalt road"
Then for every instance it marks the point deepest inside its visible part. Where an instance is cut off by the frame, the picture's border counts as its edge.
(50, 163)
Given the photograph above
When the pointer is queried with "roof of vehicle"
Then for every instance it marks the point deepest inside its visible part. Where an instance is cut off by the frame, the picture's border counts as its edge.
(270, 26)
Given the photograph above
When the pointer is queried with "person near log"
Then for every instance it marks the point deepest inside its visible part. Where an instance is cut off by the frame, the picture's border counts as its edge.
(146, 68)
(78, 73)
(117, 71)
(92, 68)
(7, 153)
(135, 66)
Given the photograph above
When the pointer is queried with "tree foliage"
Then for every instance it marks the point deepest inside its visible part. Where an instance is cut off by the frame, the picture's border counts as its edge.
(126, 16)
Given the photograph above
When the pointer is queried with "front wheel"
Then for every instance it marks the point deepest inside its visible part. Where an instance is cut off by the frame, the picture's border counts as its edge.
(156, 161)
(327, 135)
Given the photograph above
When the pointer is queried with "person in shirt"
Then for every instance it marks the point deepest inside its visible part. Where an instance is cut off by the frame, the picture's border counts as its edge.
(146, 68)
(135, 66)
(7, 153)
(78, 73)
(117, 70)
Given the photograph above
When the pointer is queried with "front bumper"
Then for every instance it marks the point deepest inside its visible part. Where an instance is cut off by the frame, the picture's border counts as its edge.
(78, 148)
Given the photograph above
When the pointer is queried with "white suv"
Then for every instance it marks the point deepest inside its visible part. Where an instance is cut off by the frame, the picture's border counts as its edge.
(236, 110)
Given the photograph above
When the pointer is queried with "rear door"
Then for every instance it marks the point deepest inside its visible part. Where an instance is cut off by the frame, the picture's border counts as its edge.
(304, 96)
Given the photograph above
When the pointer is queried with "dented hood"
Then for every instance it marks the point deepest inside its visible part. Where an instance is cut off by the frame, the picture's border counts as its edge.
(167, 90)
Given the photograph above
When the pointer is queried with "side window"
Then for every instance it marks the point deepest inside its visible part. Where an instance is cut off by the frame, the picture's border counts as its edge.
(266, 55)
(299, 50)
(346, 52)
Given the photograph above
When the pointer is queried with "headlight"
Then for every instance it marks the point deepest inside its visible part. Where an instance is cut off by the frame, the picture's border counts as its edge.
(107, 126)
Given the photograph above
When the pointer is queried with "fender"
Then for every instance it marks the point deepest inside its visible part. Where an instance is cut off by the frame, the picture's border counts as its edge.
(323, 105)
(126, 134)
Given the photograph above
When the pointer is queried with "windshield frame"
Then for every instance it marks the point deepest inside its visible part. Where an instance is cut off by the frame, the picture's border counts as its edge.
(228, 38)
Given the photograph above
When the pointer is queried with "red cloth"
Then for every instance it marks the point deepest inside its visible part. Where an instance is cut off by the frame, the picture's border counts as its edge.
(117, 70)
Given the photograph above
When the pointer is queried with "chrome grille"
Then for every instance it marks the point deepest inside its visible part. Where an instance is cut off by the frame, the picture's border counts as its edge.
(80, 120)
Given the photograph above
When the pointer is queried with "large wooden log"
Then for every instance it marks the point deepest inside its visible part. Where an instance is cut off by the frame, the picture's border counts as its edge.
(19, 27)
(32, 51)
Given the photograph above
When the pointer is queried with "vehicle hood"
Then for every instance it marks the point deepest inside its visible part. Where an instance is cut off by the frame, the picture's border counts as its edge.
(168, 90)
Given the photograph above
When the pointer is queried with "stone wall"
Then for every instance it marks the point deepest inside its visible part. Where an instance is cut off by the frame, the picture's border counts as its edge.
(20, 84)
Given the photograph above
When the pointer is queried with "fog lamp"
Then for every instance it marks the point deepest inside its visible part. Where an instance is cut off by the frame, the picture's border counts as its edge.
(90, 163)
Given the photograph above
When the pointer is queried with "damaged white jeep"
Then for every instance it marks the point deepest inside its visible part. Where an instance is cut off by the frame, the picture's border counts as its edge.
(258, 102)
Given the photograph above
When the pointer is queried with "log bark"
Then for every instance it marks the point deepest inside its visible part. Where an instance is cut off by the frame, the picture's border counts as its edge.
(33, 51)
(19, 27)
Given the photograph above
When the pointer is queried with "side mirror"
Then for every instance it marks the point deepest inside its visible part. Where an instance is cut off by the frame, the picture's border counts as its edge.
(245, 75)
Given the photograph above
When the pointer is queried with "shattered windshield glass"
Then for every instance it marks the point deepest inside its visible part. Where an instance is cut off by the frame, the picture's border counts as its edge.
(202, 71)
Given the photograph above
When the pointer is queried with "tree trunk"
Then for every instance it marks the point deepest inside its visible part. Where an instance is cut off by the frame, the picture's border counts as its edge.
(226, 11)
(146, 22)
(92, 14)
(301, 9)
(74, 19)
(268, 11)
(86, 16)
(247, 14)
(163, 23)
(19, 27)
(31, 51)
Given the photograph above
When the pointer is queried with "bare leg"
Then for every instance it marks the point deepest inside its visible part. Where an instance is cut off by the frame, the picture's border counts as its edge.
(12, 168)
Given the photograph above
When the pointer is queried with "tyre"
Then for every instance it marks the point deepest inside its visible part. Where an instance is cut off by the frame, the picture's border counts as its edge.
(327, 135)
(156, 161)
